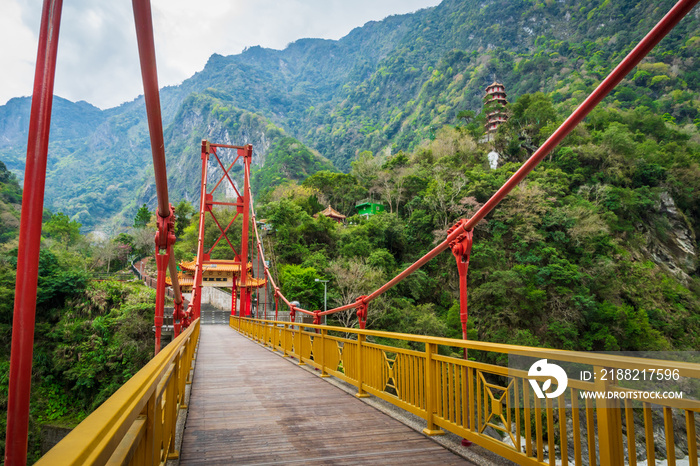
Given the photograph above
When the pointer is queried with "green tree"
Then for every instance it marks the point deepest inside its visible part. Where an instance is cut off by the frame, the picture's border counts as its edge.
(351, 279)
(184, 213)
(533, 112)
(62, 228)
(299, 283)
(143, 216)
(337, 189)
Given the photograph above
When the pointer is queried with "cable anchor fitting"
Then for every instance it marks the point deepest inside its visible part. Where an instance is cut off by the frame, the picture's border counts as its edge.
(362, 311)
(461, 249)
(165, 234)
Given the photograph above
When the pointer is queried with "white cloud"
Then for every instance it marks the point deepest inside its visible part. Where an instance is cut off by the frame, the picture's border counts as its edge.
(18, 52)
(97, 54)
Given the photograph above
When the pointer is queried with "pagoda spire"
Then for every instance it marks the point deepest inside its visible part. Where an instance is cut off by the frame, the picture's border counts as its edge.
(495, 108)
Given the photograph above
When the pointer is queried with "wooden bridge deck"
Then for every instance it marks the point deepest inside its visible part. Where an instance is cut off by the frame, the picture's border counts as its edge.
(249, 406)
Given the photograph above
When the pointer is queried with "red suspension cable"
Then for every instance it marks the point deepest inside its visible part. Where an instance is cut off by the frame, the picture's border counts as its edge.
(149, 74)
(165, 237)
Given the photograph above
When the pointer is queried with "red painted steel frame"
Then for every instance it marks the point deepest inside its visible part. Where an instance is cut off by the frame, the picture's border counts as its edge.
(197, 286)
(225, 175)
(223, 232)
(245, 292)
(206, 200)
(30, 237)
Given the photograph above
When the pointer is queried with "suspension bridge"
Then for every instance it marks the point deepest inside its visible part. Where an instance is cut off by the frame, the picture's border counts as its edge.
(242, 403)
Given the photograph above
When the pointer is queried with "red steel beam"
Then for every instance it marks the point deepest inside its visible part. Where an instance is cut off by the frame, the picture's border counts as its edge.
(223, 233)
(226, 175)
(199, 270)
(149, 75)
(226, 146)
(229, 204)
(247, 153)
(30, 237)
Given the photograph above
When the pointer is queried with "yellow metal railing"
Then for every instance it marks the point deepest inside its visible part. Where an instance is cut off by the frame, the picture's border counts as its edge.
(136, 425)
(468, 397)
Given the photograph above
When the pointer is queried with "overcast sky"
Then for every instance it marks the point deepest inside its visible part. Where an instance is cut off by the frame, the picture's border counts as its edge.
(97, 54)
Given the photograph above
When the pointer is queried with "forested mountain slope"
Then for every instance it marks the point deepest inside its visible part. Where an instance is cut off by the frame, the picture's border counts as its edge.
(384, 87)
(436, 63)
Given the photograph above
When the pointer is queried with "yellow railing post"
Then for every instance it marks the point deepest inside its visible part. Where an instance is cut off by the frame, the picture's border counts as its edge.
(191, 345)
(431, 390)
(274, 338)
(361, 393)
(609, 423)
(285, 339)
(323, 353)
(172, 407)
(299, 345)
(150, 436)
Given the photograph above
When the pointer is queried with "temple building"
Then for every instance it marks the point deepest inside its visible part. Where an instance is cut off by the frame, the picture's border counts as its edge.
(331, 213)
(495, 108)
(368, 207)
(218, 273)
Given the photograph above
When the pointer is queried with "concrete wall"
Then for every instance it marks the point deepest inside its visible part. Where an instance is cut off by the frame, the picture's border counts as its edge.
(221, 299)
(51, 435)
(218, 298)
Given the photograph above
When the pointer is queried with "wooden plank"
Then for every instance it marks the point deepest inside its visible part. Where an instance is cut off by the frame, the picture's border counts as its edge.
(250, 406)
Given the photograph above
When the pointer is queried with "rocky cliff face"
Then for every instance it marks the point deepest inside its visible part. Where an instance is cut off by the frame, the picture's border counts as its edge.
(670, 241)
(205, 117)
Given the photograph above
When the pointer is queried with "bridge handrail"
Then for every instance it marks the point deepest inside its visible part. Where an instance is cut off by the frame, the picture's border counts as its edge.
(465, 396)
(584, 357)
(132, 424)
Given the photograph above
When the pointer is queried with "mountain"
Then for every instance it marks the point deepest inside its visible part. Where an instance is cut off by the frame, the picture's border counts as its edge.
(389, 85)
(100, 167)
(10, 204)
(384, 87)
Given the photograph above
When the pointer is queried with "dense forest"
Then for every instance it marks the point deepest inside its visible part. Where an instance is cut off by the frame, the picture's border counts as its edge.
(596, 250)
(93, 330)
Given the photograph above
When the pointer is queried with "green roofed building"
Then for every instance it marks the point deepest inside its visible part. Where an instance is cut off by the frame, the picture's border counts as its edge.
(368, 207)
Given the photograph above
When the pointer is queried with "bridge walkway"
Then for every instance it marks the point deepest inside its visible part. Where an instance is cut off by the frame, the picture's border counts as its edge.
(249, 406)
(211, 315)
